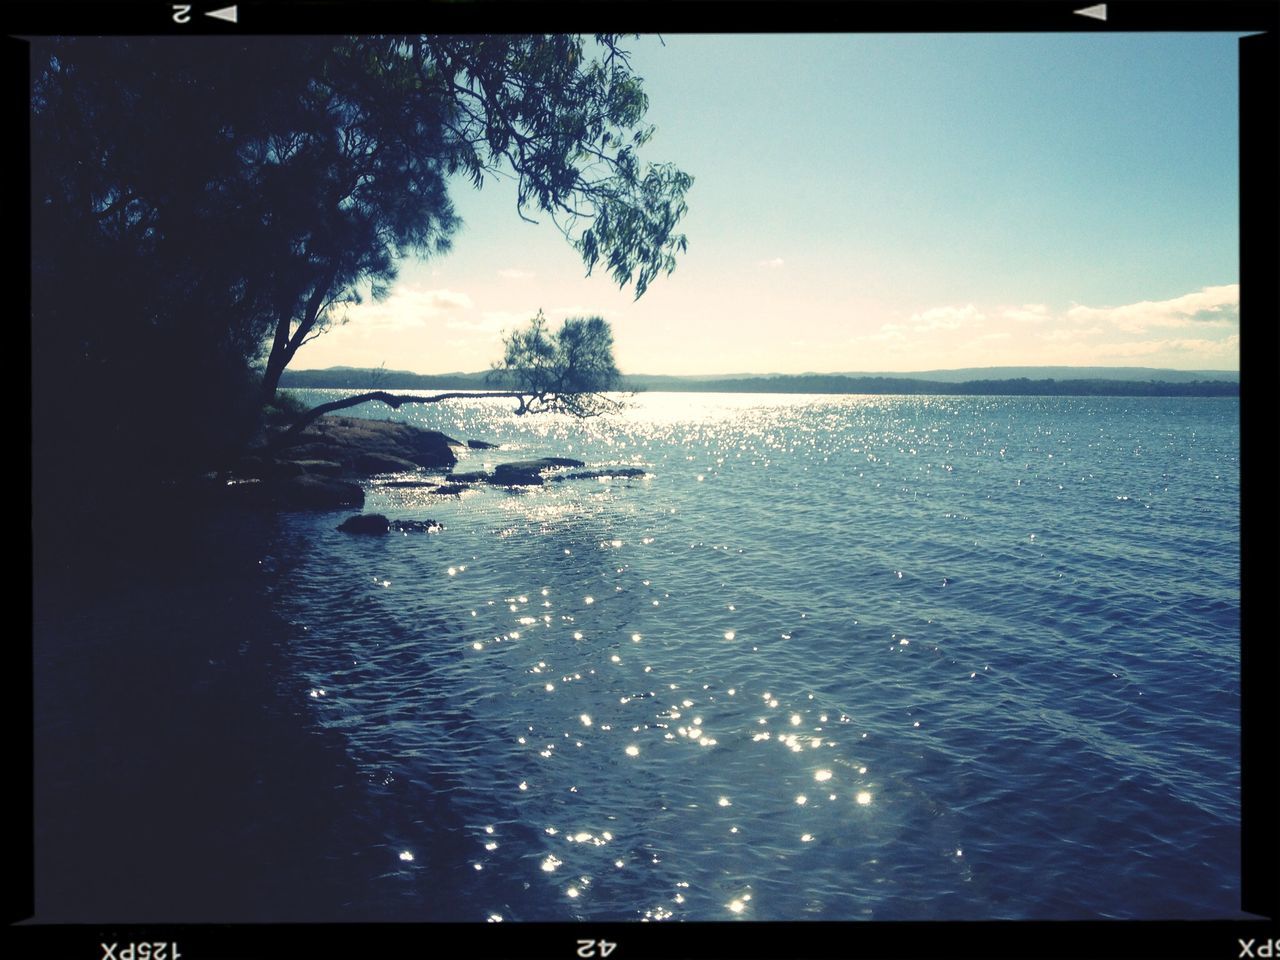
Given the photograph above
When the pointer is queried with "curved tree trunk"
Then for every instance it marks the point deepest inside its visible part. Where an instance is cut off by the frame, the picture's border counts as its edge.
(284, 345)
(394, 401)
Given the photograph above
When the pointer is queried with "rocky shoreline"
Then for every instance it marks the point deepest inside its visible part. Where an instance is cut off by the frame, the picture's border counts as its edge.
(328, 463)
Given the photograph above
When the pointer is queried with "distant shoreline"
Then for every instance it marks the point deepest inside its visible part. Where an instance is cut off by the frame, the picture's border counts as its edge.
(364, 379)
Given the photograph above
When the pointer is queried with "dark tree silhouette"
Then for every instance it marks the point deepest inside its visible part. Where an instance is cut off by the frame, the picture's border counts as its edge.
(566, 371)
(570, 370)
(222, 200)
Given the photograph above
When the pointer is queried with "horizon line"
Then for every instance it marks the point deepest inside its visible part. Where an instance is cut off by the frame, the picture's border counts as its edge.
(811, 373)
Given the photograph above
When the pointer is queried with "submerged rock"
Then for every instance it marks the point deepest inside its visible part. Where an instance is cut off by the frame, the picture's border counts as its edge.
(406, 484)
(603, 473)
(450, 489)
(376, 524)
(523, 473)
(417, 526)
(365, 523)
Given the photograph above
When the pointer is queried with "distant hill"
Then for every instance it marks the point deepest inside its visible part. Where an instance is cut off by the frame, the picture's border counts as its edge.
(1033, 381)
(1062, 373)
(966, 374)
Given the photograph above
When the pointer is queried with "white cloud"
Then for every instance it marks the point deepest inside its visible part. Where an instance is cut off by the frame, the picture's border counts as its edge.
(516, 274)
(491, 321)
(1067, 334)
(888, 332)
(408, 306)
(1210, 306)
(1027, 313)
(1177, 352)
(946, 318)
(771, 264)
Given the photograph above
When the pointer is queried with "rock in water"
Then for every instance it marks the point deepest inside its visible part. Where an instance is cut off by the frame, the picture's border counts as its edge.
(372, 463)
(370, 523)
(417, 526)
(525, 473)
(602, 474)
(376, 524)
(324, 468)
(347, 440)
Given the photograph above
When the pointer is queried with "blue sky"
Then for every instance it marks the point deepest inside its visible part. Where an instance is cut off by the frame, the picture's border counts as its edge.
(883, 202)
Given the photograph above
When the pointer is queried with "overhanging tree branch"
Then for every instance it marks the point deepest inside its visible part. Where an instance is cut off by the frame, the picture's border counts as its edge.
(567, 371)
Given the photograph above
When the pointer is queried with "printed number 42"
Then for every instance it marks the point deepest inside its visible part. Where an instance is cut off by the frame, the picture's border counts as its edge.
(595, 948)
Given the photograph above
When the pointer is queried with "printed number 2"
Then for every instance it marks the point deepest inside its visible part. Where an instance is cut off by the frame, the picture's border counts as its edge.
(182, 13)
(595, 948)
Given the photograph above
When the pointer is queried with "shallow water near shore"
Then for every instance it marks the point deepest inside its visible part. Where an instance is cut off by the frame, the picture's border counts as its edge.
(832, 658)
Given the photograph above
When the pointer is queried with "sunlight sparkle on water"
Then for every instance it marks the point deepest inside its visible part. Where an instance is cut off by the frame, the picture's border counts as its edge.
(633, 751)
(863, 798)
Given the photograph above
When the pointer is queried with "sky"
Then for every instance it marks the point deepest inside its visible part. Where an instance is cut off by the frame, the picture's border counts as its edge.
(867, 203)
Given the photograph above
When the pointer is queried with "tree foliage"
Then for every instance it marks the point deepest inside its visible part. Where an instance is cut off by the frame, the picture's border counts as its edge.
(566, 371)
(570, 370)
(268, 183)
(206, 204)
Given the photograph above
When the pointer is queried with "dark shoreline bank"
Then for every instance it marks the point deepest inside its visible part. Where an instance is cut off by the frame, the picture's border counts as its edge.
(178, 776)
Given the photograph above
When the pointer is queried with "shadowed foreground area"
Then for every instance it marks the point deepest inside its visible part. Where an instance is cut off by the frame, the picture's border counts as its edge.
(177, 777)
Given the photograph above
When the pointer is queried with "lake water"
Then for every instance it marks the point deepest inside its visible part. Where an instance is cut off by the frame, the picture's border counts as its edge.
(833, 658)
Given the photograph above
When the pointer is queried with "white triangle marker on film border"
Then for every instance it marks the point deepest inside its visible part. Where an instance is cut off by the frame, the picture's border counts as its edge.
(223, 13)
(1098, 11)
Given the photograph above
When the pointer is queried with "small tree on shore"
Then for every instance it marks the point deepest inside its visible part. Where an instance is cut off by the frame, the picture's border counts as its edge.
(566, 371)
(570, 370)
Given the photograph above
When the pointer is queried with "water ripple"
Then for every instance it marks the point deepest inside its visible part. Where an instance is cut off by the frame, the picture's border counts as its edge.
(834, 658)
